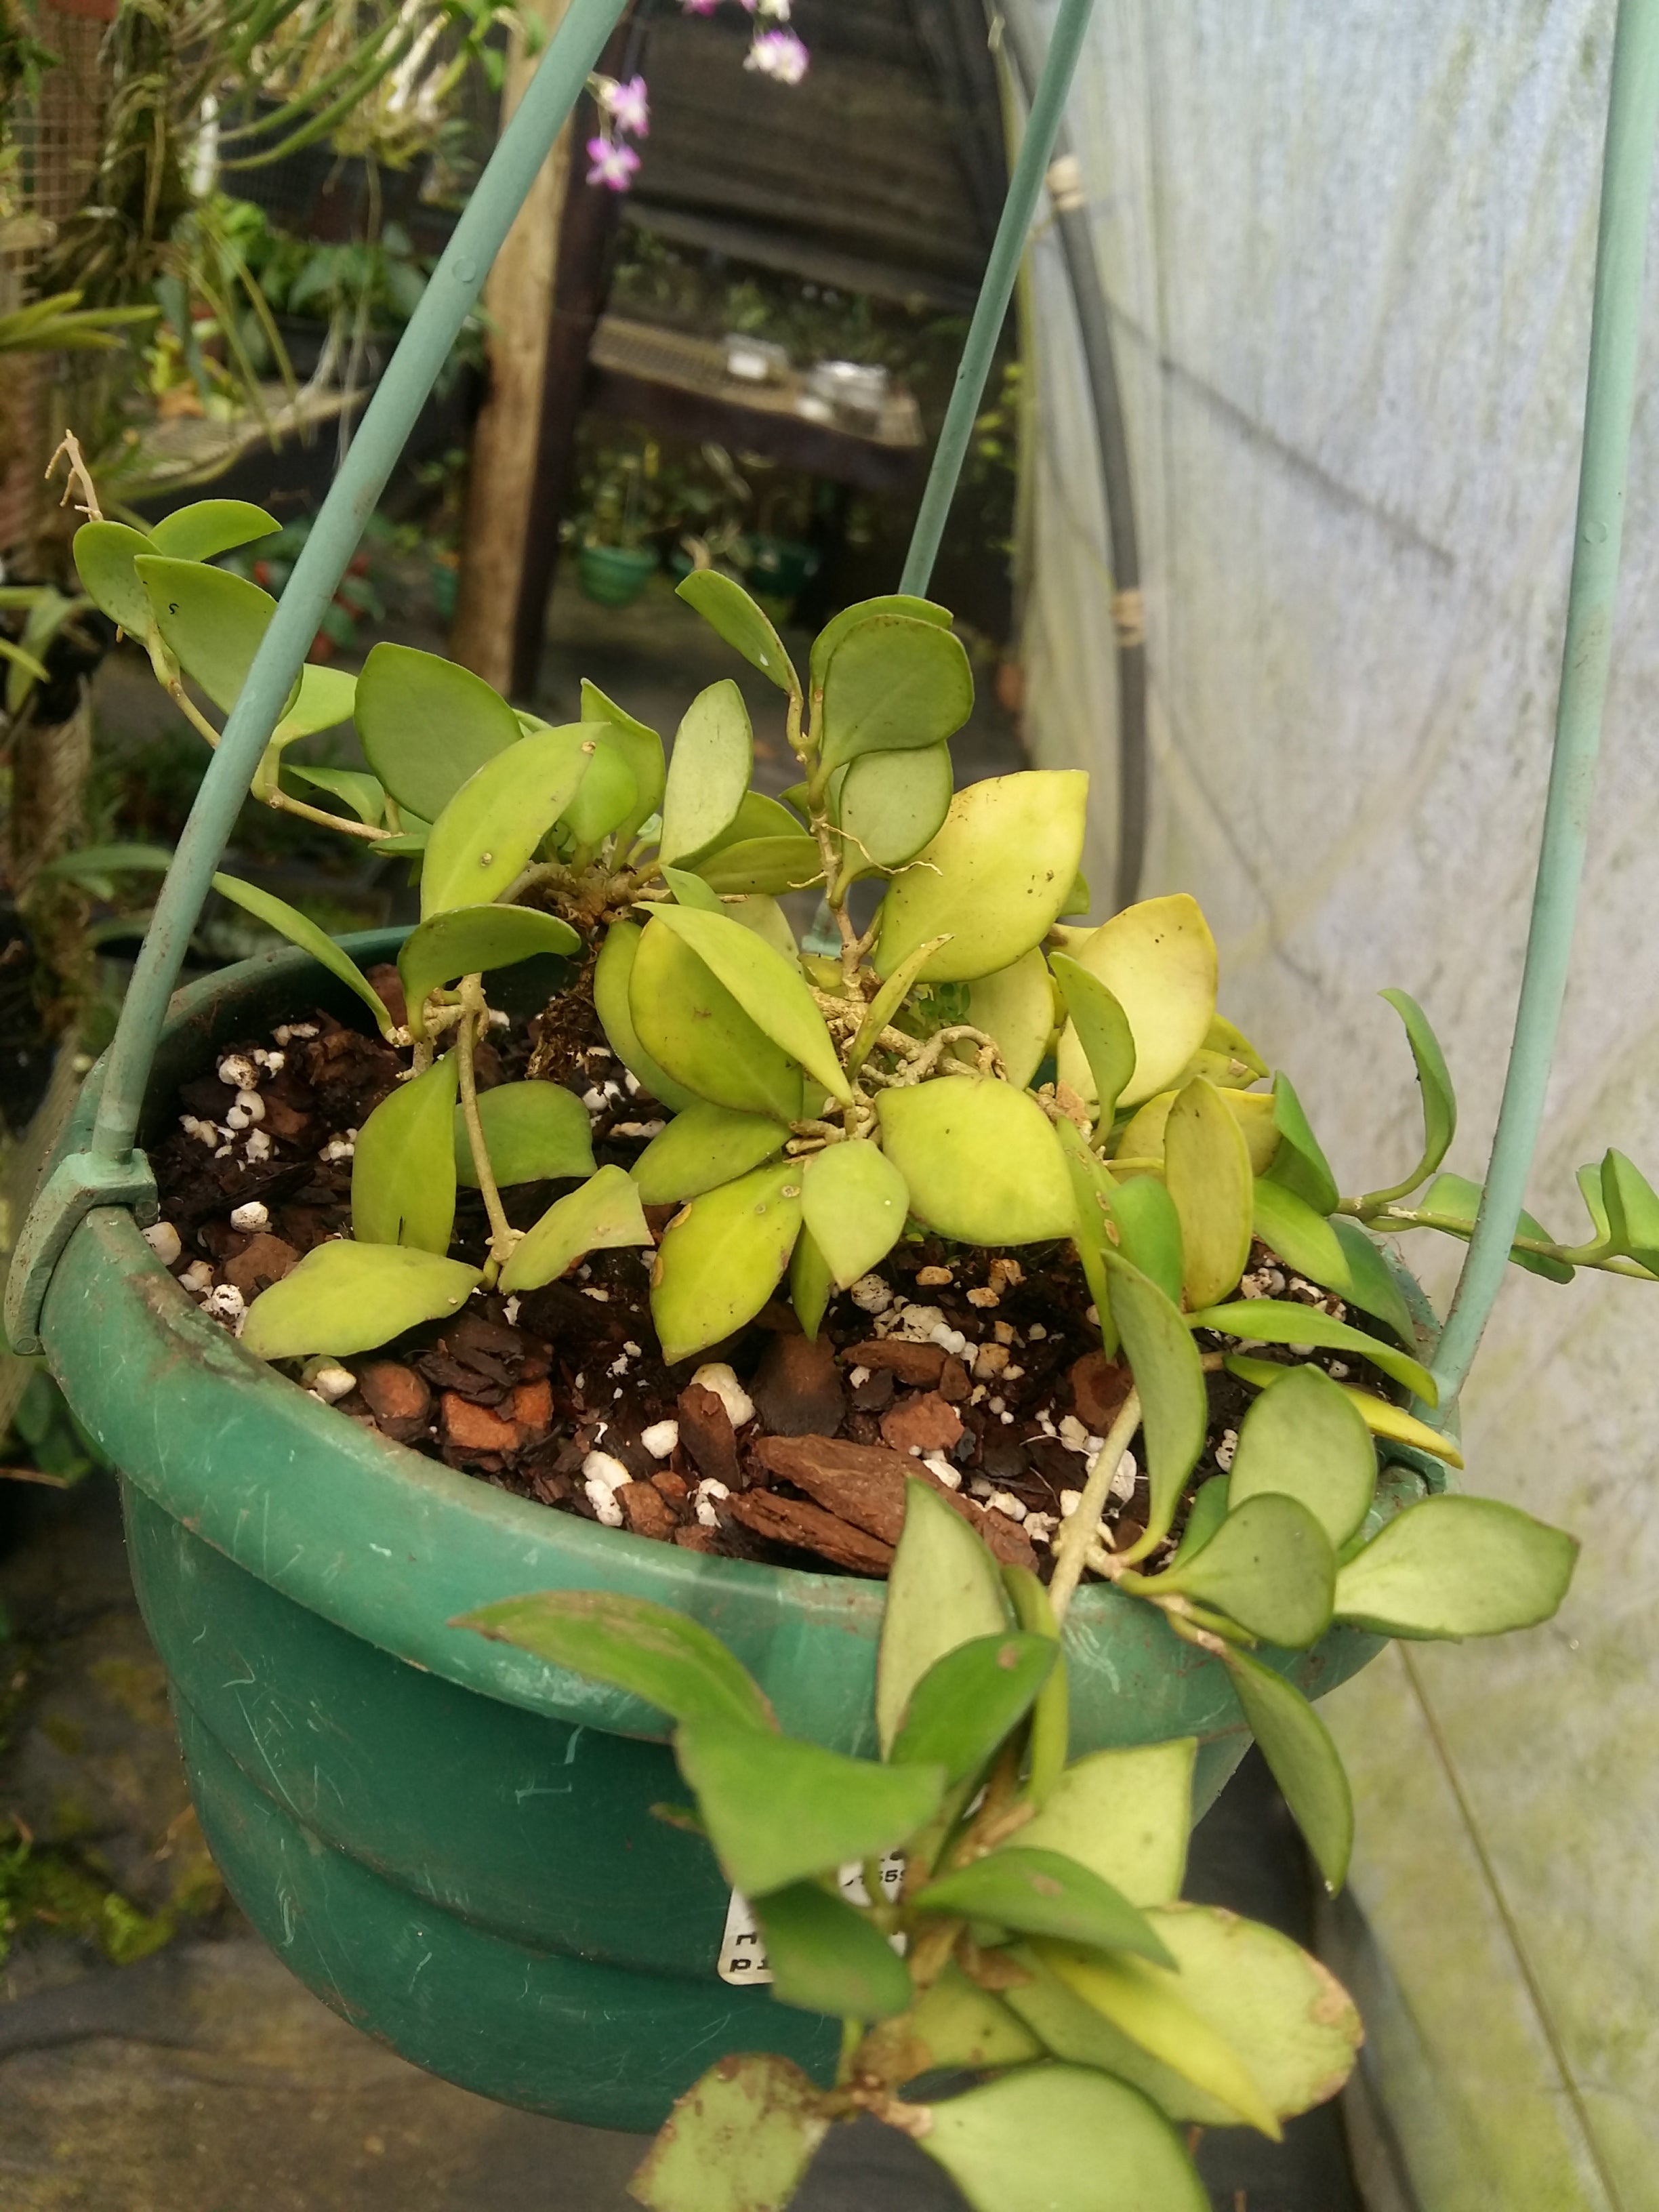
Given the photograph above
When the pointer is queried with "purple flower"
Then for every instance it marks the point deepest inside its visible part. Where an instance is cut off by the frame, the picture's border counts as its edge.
(779, 54)
(614, 163)
(626, 104)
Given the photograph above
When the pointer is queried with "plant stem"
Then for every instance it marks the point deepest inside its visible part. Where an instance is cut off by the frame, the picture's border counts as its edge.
(476, 1019)
(1573, 1255)
(279, 800)
(1078, 1532)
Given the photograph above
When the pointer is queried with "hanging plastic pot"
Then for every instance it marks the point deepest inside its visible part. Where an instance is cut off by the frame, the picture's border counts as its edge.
(451, 1842)
(615, 576)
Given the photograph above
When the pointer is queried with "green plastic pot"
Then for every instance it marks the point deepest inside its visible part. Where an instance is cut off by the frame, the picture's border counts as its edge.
(615, 576)
(451, 1842)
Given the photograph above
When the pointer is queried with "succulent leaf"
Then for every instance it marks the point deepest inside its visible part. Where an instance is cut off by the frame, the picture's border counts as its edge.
(1206, 1171)
(210, 526)
(533, 1132)
(891, 805)
(298, 929)
(490, 829)
(720, 1259)
(854, 1202)
(345, 1297)
(770, 988)
(993, 880)
(427, 724)
(1127, 1813)
(402, 1170)
(892, 682)
(731, 614)
(1457, 1566)
(1304, 1761)
(825, 1956)
(469, 939)
(1016, 1007)
(702, 1147)
(708, 771)
(1305, 1438)
(1030, 2142)
(604, 1211)
(105, 553)
(942, 1591)
(849, 618)
(1101, 1030)
(980, 1160)
(612, 977)
(1158, 960)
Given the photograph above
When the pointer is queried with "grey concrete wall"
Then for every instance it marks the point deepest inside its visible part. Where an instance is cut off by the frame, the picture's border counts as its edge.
(1348, 251)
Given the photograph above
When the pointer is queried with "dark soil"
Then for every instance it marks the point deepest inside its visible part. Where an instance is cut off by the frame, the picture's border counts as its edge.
(980, 1371)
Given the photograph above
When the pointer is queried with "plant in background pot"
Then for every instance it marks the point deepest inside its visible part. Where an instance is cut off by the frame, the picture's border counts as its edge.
(886, 1129)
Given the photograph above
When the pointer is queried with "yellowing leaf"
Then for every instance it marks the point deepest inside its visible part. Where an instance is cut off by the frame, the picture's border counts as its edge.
(1127, 1815)
(980, 1160)
(993, 880)
(1101, 1028)
(770, 988)
(1143, 1134)
(702, 1147)
(1016, 1007)
(1206, 1171)
(1158, 960)
(1061, 2139)
(604, 1211)
(1454, 1567)
(692, 1025)
(613, 975)
(720, 1259)
(641, 747)
(1383, 1419)
(854, 1202)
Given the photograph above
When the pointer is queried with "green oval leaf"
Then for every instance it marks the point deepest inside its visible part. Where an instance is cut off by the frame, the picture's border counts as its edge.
(1298, 1748)
(1158, 960)
(1016, 1007)
(364, 794)
(993, 880)
(1175, 1403)
(534, 1132)
(1103, 1032)
(770, 988)
(487, 831)
(1270, 1566)
(855, 1202)
(892, 682)
(890, 805)
(1207, 1512)
(664, 1658)
(1278, 1321)
(1149, 1232)
(403, 1171)
(702, 1147)
(104, 556)
(1337, 1255)
(967, 1702)
(607, 795)
(1456, 1567)
(778, 1811)
(942, 1591)
(1062, 2139)
(196, 532)
(1304, 1440)
(770, 865)
(720, 1259)
(979, 1159)
(1458, 1201)
(324, 698)
(640, 747)
(731, 614)
(343, 1298)
(824, 1956)
(470, 940)
(210, 622)
(1298, 1162)
(613, 974)
(1038, 1893)
(1047, 1741)
(427, 724)
(276, 914)
(690, 1024)
(708, 771)
(1127, 1815)
(961, 2025)
(604, 1211)
(849, 618)
(1380, 1416)
(1206, 1171)
(1632, 1211)
(1439, 1101)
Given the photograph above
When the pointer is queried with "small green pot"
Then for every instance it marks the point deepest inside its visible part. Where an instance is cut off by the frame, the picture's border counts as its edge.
(615, 576)
(782, 566)
(449, 1841)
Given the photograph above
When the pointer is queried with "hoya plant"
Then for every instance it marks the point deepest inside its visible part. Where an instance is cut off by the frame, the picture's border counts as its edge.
(1035, 1937)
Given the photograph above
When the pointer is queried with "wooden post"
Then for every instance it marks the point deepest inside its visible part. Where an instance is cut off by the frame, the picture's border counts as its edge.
(518, 299)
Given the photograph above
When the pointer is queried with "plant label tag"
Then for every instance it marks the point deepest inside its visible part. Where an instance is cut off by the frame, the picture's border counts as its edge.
(742, 1951)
